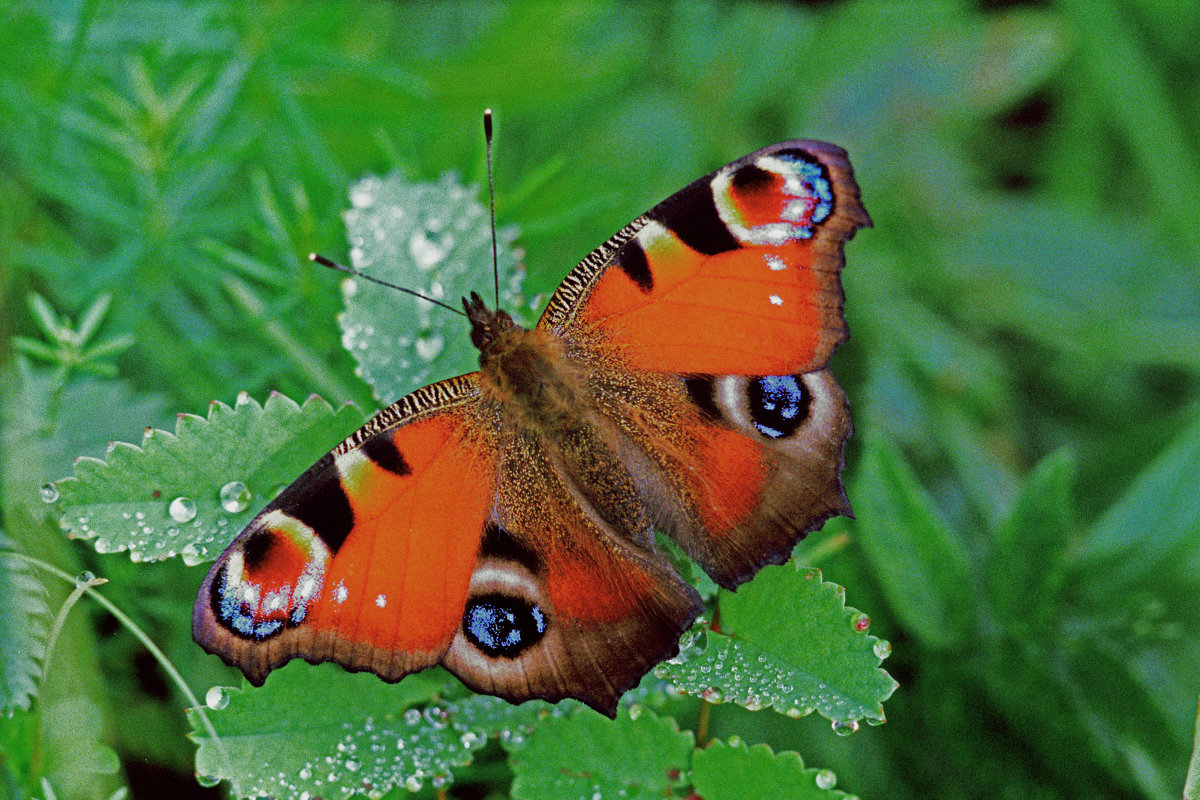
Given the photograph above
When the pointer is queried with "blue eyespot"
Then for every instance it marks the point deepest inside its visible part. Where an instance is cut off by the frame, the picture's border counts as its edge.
(503, 626)
(778, 404)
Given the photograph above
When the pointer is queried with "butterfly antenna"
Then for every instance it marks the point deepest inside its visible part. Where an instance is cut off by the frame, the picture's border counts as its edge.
(487, 135)
(325, 262)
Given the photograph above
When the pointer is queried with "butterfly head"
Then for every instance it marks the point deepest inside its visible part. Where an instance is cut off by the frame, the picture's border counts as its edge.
(488, 326)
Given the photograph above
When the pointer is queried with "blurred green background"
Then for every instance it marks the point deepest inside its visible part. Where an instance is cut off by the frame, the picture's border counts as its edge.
(1025, 315)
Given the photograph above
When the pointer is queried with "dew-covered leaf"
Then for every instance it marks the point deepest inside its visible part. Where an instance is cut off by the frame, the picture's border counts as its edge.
(23, 625)
(190, 492)
(788, 640)
(734, 771)
(432, 238)
(330, 733)
(587, 755)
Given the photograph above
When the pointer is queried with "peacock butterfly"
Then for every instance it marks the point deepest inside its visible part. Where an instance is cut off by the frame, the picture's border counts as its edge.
(502, 523)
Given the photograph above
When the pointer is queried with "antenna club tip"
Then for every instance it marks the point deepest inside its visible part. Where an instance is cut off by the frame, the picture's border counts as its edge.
(487, 123)
(313, 257)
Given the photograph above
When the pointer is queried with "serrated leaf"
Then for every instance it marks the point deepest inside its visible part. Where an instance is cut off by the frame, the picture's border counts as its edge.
(587, 755)
(330, 733)
(431, 238)
(788, 640)
(918, 560)
(735, 772)
(23, 627)
(126, 502)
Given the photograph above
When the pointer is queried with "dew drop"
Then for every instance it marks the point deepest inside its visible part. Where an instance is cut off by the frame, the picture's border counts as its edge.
(825, 779)
(413, 783)
(412, 717)
(49, 492)
(883, 648)
(207, 781)
(103, 546)
(85, 577)
(191, 554)
(217, 697)
(182, 509)
(861, 621)
(235, 497)
(844, 727)
(428, 347)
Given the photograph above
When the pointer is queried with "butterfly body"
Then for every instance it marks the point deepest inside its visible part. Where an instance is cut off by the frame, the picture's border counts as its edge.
(503, 523)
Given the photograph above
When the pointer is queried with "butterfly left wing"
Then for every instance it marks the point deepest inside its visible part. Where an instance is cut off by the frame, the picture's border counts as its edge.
(366, 559)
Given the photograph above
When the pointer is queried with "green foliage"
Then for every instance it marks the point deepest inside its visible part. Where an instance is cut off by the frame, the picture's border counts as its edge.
(589, 756)
(23, 628)
(733, 771)
(431, 239)
(374, 736)
(1023, 371)
(786, 640)
(187, 493)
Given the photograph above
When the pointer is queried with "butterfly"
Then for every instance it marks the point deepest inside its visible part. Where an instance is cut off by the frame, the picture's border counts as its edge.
(503, 523)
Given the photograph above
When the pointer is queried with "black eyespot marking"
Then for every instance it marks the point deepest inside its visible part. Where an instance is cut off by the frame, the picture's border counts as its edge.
(500, 543)
(383, 452)
(694, 219)
(751, 177)
(318, 500)
(502, 626)
(633, 263)
(700, 390)
(778, 404)
(256, 548)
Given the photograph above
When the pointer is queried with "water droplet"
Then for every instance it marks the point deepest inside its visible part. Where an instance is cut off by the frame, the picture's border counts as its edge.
(861, 621)
(217, 697)
(207, 781)
(85, 577)
(826, 779)
(191, 554)
(428, 347)
(883, 648)
(844, 727)
(103, 546)
(413, 783)
(235, 497)
(412, 717)
(427, 251)
(182, 509)
(49, 493)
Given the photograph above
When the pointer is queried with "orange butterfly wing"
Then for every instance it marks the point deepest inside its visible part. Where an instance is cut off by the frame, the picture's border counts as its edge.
(356, 562)
(738, 273)
(706, 324)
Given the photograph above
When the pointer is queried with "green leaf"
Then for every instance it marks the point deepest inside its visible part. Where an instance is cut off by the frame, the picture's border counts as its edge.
(190, 492)
(433, 239)
(23, 628)
(1025, 569)
(588, 755)
(332, 733)
(1158, 517)
(787, 640)
(919, 562)
(734, 771)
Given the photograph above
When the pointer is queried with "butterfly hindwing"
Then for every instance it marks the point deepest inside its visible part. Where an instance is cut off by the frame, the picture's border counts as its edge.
(562, 604)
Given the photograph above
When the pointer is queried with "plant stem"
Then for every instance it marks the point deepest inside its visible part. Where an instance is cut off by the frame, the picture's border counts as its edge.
(147, 642)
